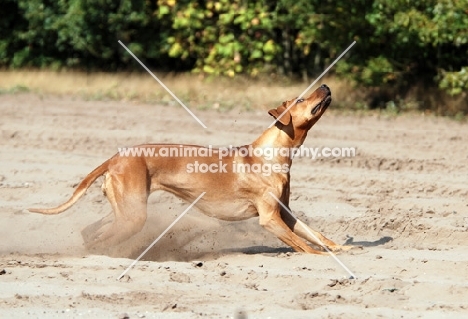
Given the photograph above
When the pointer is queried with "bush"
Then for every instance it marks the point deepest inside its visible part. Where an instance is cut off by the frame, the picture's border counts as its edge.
(399, 43)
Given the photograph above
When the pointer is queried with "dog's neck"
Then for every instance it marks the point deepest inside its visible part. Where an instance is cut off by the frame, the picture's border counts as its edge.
(281, 136)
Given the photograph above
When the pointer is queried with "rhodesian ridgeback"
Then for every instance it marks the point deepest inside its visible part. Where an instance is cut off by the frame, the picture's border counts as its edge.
(234, 189)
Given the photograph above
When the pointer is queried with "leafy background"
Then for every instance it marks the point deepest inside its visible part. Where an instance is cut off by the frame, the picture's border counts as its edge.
(400, 44)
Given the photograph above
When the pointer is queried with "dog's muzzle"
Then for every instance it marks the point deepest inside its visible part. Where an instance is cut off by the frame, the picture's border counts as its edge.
(324, 104)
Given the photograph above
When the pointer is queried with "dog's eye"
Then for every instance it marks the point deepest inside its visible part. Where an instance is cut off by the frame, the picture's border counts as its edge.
(300, 100)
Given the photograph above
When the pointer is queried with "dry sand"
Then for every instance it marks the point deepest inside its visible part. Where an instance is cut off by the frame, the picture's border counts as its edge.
(403, 198)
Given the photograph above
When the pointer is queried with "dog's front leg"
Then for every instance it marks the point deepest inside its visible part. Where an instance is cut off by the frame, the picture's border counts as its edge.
(314, 237)
(270, 218)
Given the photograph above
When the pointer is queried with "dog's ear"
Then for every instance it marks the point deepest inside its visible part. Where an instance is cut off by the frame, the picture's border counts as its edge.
(285, 119)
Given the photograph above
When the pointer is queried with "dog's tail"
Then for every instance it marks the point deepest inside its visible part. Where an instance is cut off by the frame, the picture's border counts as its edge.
(80, 190)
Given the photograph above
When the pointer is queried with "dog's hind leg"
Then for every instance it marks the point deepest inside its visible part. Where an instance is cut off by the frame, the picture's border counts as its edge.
(90, 231)
(128, 197)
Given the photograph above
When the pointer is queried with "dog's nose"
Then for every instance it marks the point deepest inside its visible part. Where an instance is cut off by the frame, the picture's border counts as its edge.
(324, 86)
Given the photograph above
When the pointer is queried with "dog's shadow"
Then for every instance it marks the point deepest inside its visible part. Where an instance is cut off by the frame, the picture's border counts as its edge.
(253, 250)
(381, 241)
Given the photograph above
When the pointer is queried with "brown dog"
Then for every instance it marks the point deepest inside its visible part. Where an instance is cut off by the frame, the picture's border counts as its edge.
(235, 189)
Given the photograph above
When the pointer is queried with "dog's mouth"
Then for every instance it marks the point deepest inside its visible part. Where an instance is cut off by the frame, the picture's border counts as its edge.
(322, 105)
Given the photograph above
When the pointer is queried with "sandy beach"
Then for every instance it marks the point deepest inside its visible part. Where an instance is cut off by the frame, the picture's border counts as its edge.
(402, 199)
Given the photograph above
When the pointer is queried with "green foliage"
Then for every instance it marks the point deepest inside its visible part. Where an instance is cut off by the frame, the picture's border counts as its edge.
(78, 33)
(223, 37)
(399, 42)
(424, 40)
(455, 82)
(10, 24)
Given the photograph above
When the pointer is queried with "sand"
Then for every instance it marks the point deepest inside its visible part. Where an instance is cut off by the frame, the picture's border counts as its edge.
(402, 198)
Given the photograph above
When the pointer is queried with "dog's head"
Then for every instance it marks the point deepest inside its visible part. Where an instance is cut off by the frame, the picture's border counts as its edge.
(303, 113)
